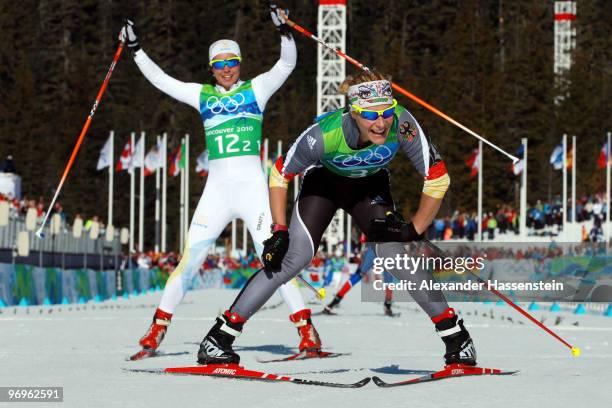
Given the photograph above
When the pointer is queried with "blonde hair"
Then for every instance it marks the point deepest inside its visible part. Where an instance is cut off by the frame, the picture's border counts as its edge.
(363, 76)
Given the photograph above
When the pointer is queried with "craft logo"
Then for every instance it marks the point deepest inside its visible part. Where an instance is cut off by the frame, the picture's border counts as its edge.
(260, 221)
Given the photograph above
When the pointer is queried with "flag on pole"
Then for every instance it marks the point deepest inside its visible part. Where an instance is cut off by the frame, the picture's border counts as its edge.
(104, 159)
(177, 160)
(125, 158)
(137, 156)
(570, 158)
(202, 164)
(519, 166)
(601, 162)
(473, 163)
(556, 157)
(152, 161)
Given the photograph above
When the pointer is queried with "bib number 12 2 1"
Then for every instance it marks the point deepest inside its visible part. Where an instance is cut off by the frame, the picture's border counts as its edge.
(230, 143)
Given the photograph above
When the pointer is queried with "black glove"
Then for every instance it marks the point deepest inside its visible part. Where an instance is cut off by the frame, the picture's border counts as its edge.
(279, 21)
(274, 250)
(393, 228)
(129, 36)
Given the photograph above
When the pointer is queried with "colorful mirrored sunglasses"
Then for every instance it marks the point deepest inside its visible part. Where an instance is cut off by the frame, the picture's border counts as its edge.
(374, 114)
(221, 63)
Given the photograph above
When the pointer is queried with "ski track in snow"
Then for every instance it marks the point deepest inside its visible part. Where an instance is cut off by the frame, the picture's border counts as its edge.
(83, 348)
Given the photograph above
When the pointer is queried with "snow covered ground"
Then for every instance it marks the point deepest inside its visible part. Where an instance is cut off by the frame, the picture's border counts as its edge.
(83, 349)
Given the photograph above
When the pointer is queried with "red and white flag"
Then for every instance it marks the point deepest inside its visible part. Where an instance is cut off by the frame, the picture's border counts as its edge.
(152, 161)
(601, 162)
(202, 164)
(473, 162)
(137, 156)
(125, 158)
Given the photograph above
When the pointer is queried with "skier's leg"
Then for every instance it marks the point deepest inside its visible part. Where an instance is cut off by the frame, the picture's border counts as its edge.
(252, 206)
(209, 219)
(459, 345)
(311, 215)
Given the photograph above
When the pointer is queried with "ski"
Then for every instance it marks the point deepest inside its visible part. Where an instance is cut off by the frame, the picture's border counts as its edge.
(149, 353)
(449, 371)
(239, 372)
(305, 355)
(325, 312)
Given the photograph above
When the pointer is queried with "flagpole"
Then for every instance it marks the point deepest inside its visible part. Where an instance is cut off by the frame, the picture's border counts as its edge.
(573, 179)
(296, 186)
(564, 206)
(164, 191)
(157, 194)
(233, 238)
(182, 202)
(479, 190)
(186, 199)
(141, 206)
(349, 227)
(523, 204)
(244, 238)
(132, 190)
(111, 172)
(608, 189)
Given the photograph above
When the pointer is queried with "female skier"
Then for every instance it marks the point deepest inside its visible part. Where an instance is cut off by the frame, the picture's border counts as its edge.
(232, 113)
(345, 156)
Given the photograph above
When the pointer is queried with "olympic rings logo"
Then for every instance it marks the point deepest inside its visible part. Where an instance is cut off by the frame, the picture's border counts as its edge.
(379, 155)
(226, 103)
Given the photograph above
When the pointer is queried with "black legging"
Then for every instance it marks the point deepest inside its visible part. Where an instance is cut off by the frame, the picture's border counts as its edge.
(321, 195)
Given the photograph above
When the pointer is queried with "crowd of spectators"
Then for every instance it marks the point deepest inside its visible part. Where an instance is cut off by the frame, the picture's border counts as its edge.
(543, 218)
(18, 208)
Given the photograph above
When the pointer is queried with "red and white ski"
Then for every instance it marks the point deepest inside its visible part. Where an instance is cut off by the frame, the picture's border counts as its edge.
(239, 372)
(305, 355)
(449, 371)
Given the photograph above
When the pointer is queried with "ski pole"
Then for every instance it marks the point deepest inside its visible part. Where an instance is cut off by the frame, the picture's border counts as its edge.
(575, 350)
(319, 293)
(398, 88)
(39, 233)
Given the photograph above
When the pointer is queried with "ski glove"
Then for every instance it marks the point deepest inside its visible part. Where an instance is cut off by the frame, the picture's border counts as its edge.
(275, 249)
(279, 21)
(128, 35)
(393, 228)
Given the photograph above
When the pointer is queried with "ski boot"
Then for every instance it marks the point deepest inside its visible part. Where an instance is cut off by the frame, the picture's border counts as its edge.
(156, 332)
(459, 345)
(216, 348)
(335, 302)
(309, 338)
(387, 308)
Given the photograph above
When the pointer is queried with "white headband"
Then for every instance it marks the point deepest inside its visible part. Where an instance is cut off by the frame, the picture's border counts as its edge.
(373, 93)
(223, 47)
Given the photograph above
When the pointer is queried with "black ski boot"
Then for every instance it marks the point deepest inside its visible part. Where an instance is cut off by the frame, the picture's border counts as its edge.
(459, 345)
(328, 309)
(387, 308)
(216, 348)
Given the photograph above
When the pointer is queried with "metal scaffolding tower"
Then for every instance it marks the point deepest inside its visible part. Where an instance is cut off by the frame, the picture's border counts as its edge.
(565, 43)
(330, 74)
